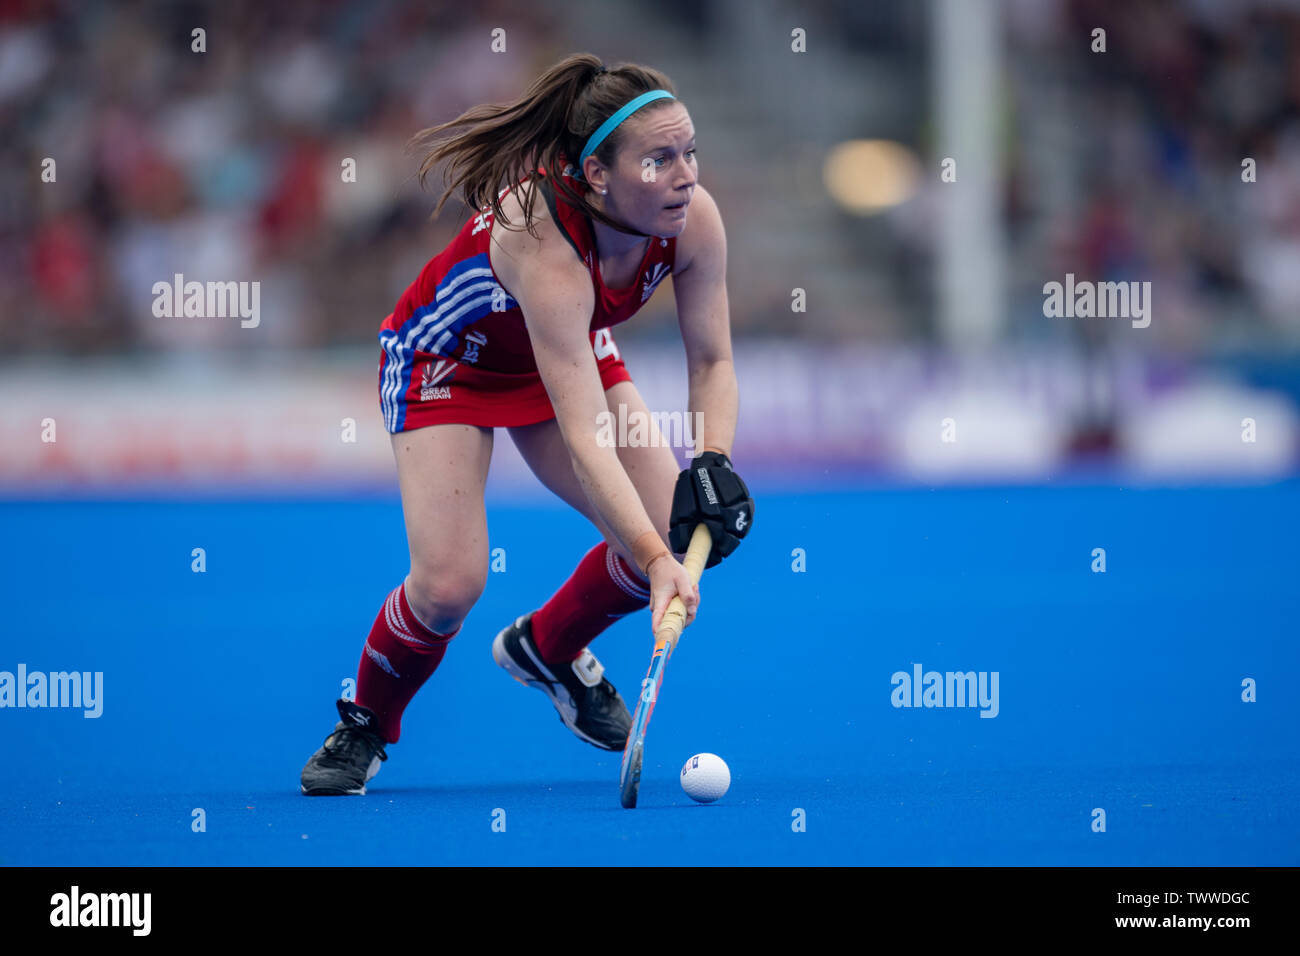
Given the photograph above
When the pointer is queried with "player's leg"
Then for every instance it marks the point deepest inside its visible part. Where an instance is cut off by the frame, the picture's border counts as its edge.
(441, 472)
(548, 648)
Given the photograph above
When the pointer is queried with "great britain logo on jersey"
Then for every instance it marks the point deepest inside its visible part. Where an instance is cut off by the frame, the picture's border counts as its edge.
(434, 374)
(652, 279)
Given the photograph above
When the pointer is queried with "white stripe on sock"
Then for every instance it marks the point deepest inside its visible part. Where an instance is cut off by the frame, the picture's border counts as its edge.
(620, 577)
(393, 616)
(397, 623)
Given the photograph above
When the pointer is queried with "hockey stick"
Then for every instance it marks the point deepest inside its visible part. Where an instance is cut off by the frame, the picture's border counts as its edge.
(670, 629)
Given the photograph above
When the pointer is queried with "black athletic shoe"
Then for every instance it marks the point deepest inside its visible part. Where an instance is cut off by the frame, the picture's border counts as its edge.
(587, 703)
(349, 757)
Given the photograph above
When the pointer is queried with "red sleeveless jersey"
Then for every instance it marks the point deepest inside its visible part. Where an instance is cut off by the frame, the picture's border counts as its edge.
(456, 349)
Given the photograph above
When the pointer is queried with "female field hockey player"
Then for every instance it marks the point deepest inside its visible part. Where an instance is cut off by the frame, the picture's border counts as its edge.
(509, 327)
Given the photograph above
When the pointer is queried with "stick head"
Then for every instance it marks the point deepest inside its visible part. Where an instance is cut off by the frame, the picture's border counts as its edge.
(630, 776)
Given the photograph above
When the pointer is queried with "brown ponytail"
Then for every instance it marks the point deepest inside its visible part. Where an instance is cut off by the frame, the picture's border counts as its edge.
(500, 145)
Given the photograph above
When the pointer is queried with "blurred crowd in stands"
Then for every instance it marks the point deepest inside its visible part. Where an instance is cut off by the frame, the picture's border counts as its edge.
(226, 164)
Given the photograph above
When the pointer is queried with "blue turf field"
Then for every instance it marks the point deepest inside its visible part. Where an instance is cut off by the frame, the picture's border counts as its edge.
(1118, 690)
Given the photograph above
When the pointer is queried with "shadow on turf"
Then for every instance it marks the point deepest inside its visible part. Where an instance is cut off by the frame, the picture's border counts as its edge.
(530, 787)
(597, 794)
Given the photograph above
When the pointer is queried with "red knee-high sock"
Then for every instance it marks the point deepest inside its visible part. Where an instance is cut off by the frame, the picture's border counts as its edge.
(602, 589)
(399, 656)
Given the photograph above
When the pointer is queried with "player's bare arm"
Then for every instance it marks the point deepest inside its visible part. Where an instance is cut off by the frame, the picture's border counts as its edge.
(556, 297)
(700, 287)
(708, 491)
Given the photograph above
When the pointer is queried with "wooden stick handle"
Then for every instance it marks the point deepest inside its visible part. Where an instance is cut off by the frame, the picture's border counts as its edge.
(674, 619)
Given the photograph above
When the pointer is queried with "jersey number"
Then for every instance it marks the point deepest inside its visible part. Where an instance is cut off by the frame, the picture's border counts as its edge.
(604, 345)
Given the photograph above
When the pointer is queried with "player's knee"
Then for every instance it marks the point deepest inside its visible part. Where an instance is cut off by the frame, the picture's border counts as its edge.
(443, 598)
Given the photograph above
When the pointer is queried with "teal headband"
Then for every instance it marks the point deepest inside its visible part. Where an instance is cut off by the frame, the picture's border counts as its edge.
(611, 124)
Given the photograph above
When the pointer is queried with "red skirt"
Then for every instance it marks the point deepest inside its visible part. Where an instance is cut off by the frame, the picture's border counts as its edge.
(418, 389)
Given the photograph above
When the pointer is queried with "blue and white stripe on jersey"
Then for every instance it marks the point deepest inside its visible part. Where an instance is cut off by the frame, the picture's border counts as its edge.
(463, 297)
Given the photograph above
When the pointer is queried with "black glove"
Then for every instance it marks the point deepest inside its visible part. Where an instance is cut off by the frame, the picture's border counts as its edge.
(711, 493)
